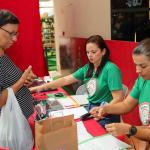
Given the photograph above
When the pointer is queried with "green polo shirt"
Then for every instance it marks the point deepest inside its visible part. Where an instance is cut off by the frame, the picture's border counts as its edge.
(141, 92)
(99, 88)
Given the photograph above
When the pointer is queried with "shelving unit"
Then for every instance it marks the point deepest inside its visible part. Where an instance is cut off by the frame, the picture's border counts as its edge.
(48, 39)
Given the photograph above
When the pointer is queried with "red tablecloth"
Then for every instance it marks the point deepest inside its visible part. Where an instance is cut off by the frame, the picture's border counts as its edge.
(44, 95)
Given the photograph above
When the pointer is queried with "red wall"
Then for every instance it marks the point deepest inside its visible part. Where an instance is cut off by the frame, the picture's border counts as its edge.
(28, 49)
(121, 55)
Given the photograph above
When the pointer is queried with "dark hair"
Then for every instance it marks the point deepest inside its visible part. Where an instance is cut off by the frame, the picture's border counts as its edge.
(99, 41)
(7, 17)
(143, 48)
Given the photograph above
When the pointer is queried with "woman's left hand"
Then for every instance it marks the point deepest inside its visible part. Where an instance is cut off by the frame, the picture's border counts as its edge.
(117, 129)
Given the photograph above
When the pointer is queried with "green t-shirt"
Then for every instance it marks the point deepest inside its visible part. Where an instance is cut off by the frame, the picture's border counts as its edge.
(99, 89)
(141, 92)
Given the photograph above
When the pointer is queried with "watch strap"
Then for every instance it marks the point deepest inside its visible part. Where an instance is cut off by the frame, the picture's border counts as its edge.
(132, 131)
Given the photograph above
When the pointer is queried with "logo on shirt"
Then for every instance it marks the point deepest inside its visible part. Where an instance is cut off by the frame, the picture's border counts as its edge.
(144, 110)
(91, 86)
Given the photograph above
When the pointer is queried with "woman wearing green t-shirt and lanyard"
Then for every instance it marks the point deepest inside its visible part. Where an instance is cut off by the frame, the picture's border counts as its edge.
(101, 77)
(140, 95)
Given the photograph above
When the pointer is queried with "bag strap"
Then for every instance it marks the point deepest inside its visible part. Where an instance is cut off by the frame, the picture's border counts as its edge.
(12, 100)
(8, 104)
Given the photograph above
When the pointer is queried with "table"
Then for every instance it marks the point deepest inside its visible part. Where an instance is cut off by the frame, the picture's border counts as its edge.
(43, 95)
(93, 127)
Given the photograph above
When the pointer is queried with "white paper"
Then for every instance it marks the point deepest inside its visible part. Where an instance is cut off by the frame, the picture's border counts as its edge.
(67, 102)
(77, 112)
(105, 142)
(82, 132)
(80, 99)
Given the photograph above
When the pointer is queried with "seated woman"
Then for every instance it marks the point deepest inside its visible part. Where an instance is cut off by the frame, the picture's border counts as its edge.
(101, 77)
(139, 96)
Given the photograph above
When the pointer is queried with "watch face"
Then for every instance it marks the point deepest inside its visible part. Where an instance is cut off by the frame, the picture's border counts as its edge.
(133, 130)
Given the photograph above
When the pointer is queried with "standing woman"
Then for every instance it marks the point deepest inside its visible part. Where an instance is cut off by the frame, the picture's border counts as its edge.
(10, 74)
(101, 77)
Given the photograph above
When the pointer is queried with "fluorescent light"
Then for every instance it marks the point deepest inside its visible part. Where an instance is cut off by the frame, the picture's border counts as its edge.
(46, 3)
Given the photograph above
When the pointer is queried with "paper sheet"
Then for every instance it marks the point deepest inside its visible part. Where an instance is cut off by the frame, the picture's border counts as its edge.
(80, 99)
(77, 112)
(106, 142)
(82, 132)
(67, 102)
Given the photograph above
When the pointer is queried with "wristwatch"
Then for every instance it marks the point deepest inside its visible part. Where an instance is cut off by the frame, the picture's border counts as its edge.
(132, 131)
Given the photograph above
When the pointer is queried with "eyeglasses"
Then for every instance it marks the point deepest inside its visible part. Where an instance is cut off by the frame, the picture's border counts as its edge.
(11, 34)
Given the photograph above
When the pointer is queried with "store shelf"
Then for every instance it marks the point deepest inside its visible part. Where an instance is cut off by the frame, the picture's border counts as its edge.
(48, 39)
(51, 60)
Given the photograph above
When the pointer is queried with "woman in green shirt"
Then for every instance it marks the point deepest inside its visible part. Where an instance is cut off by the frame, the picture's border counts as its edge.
(101, 77)
(140, 95)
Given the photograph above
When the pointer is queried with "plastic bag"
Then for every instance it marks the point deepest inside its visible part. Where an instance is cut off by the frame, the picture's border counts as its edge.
(15, 131)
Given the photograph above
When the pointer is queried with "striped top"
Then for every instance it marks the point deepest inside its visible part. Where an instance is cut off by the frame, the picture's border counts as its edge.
(9, 75)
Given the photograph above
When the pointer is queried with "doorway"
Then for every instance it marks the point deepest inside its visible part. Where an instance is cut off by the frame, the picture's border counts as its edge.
(48, 33)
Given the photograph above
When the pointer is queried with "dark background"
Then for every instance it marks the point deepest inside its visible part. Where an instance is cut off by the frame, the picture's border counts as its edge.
(129, 18)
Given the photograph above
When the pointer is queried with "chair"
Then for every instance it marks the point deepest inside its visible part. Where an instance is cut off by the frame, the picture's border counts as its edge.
(125, 90)
(81, 90)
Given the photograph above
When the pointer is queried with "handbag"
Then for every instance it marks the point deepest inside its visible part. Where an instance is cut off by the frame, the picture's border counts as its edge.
(15, 131)
(59, 133)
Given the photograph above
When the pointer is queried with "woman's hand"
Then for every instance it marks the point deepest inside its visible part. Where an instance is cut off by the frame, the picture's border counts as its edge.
(94, 112)
(30, 78)
(27, 77)
(23, 80)
(117, 129)
(98, 112)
